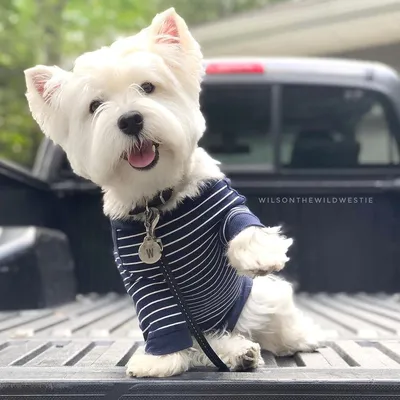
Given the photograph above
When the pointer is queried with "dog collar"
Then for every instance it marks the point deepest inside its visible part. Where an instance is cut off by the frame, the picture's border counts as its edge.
(157, 201)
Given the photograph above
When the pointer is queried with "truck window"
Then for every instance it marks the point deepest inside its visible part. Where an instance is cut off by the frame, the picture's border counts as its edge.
(331, 127)
(238, 123)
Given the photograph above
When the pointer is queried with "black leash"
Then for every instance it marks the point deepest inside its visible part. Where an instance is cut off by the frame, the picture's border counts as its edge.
(193, 327)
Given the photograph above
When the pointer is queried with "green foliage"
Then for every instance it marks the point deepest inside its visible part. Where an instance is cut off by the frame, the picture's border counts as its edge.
(55, 31)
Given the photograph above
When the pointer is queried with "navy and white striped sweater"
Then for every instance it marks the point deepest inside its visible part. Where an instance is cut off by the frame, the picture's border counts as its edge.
(194, 238)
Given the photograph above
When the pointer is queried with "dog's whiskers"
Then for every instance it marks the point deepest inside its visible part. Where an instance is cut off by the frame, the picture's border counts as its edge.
(136, 88)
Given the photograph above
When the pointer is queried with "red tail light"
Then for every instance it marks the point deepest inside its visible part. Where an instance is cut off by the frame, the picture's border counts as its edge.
(234, 68)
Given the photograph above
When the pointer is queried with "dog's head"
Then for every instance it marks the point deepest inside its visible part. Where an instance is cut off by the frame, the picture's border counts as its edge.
(127, 114)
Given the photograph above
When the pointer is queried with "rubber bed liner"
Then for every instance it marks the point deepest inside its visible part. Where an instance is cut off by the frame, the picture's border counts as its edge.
(79, 350)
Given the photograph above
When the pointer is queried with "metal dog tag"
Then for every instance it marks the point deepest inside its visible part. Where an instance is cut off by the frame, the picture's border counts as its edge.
(151, 248)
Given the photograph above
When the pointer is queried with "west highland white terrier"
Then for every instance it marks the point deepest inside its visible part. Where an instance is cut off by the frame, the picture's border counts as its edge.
(128, 118)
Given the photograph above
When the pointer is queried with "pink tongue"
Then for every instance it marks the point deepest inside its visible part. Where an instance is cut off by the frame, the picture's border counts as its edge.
(141, 158)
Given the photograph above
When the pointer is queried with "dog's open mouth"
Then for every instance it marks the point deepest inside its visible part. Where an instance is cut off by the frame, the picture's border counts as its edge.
(143, 157)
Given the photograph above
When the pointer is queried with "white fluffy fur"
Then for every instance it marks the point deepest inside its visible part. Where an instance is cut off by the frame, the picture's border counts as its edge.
(259, 251)
(165, 54)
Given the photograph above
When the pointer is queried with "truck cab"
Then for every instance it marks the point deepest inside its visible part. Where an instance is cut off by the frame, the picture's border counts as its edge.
(314, 144)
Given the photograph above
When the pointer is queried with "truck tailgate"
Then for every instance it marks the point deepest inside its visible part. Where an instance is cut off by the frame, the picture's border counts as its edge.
(79, 350)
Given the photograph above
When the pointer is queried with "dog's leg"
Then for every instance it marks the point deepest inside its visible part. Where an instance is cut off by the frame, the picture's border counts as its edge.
(237, 352)
(258, 251)
(271, 318)
(147, 365)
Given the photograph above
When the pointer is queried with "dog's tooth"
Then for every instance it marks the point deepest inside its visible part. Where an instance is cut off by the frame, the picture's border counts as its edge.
(153, 147)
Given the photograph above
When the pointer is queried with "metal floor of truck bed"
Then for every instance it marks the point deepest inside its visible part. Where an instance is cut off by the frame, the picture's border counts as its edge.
(79, 350)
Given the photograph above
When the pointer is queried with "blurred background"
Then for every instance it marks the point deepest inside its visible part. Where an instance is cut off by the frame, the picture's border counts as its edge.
(56, 31)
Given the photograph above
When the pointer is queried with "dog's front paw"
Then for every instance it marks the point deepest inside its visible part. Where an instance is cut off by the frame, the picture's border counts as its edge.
(258, 251)
(247, 356)
(146, 365)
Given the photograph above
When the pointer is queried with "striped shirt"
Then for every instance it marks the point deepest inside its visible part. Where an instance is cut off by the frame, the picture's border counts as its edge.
(194, 238)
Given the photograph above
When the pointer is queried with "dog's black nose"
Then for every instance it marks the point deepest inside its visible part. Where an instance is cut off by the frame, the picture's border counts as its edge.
(131, 123)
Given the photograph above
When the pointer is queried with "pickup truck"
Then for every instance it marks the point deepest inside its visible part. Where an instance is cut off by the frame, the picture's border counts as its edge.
(314, 145)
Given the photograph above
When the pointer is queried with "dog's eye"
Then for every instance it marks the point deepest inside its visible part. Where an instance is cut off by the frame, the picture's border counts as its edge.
(94, 105)
(148, 87)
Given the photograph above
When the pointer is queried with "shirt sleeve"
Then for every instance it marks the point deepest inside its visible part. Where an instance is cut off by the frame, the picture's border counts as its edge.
(163, 326)
(236, 220)
(169, 341)
(161, 321)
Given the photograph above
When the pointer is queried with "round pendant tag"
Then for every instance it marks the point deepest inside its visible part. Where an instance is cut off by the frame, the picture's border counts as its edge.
(150, 251)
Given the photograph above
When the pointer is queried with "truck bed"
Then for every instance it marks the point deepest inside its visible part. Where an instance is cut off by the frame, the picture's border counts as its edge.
(79, 350)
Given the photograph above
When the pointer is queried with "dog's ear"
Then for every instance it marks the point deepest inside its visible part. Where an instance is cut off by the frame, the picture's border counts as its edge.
(43, 82)
(173, 41)
(166, 27)
(44, 85)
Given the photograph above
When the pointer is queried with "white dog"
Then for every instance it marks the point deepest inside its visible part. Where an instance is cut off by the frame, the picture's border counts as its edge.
(128, 118)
